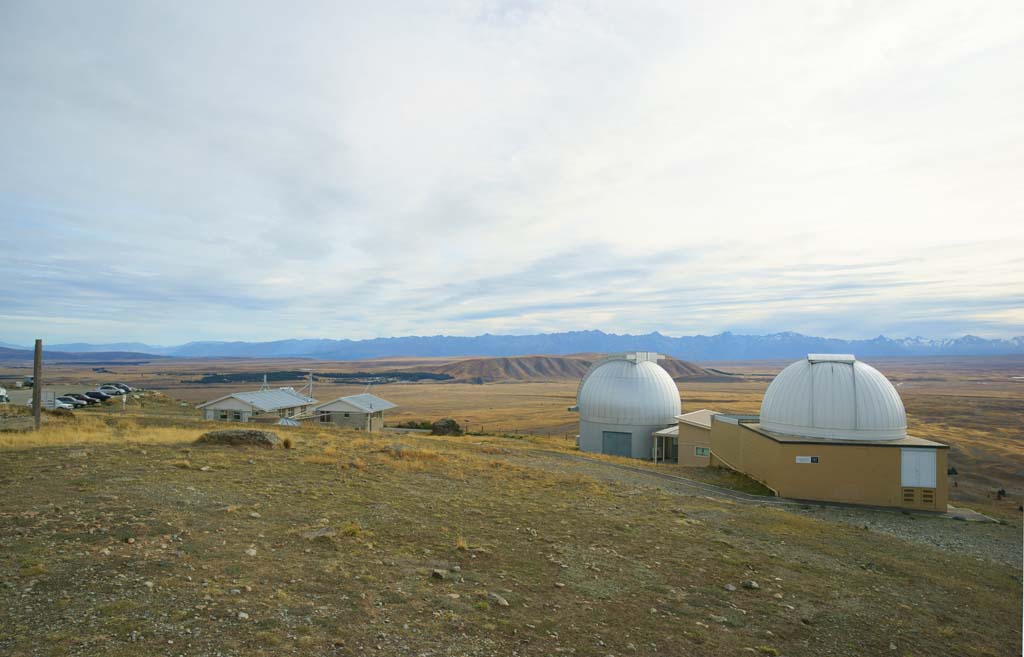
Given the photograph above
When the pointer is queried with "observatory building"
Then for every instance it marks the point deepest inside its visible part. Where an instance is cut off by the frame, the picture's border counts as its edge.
(831, 428)
(622, 401)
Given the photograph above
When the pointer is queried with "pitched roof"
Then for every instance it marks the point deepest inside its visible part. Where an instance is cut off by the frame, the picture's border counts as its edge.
(364, 403)
(268, 400)
(701, 418)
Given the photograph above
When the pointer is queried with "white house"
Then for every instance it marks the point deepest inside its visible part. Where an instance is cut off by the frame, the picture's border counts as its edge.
(258, 406)
(364, 412)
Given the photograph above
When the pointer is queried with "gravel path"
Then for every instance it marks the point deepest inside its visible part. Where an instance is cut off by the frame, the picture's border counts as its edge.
(980, 540)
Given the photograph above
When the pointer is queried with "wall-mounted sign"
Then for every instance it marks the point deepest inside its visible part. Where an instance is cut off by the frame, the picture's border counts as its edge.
(807, 459)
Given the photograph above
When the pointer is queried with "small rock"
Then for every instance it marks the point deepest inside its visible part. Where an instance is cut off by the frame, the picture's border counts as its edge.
(254, 514)
(751, 584)
(777, 596)
(243, 616)
(454, 596)
(205, 468)
(235, 591)
(323, 532)
(251, 552)
(729, 587)
(148, 584)
(718, 619)
(892, 646)
(129, 540)
(501, 602)
(437, 573)
(456, 569)
(559, 585)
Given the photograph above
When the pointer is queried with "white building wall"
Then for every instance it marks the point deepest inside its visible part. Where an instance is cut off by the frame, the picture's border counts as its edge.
(592, 437)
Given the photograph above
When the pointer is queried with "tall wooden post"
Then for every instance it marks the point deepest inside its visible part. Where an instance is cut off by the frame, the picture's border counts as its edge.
(37, 384)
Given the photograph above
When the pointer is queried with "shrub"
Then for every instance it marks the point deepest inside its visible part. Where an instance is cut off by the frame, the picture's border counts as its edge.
(446, 427)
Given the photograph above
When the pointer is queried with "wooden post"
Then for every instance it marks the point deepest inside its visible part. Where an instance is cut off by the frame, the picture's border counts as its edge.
(37, 384)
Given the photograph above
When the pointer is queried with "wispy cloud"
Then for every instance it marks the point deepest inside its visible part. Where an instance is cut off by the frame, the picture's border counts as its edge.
(355, 170)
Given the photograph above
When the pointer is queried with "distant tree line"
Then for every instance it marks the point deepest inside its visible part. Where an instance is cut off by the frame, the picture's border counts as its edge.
(336, 377)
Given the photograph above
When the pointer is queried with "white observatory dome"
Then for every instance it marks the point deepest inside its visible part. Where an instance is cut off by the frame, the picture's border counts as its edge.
(833, 396)
(628, 389)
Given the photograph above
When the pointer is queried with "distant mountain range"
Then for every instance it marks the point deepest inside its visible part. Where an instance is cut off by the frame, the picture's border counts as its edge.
(97, 357)
(723, 346)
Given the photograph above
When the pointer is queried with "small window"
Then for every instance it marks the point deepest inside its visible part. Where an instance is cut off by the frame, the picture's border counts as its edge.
(236, 416)
(346, 415)
(223, 415)
(325, 416)
(702, 451)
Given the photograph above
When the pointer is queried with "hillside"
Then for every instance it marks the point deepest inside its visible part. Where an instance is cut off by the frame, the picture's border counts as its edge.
(98, 357)
(552, 368)
(125, 539)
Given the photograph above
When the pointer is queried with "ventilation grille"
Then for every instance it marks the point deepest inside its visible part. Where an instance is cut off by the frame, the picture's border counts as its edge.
(909, 495)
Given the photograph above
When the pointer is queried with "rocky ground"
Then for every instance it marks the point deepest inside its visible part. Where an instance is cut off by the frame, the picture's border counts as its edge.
(347, 546)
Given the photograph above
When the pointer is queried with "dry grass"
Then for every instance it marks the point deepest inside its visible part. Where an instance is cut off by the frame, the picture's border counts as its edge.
(344, 559)
(93, 429)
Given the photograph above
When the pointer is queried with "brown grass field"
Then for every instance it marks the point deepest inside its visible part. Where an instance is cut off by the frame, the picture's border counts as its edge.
(118, 536)
(975, 404)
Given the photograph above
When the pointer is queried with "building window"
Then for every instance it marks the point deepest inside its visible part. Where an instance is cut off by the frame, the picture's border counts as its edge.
(325, 416)
(236, 416)
(702, 451)
(223, 415)
(346, 414)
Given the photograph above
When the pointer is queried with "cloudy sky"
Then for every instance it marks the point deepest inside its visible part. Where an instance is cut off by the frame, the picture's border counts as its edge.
(172, 171)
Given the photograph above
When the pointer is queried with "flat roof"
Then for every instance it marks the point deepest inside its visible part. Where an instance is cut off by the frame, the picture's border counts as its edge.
(733, 418)
(909, 441)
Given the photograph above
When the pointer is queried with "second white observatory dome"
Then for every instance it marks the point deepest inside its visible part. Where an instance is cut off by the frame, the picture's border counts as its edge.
(833, 396)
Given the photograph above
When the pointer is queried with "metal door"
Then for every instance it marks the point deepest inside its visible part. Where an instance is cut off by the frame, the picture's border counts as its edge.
(917, 468)
(617, 443)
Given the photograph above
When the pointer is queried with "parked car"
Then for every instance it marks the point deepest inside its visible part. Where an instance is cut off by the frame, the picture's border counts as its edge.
(4, 399)
(79, 396)
(28, 382)
(56, 404)
(98, 396)
(123, 386)
(113, 391)
(68, 399)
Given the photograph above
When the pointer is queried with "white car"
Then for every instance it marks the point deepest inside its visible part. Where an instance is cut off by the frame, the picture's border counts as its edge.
(56, 404)
(110, 390)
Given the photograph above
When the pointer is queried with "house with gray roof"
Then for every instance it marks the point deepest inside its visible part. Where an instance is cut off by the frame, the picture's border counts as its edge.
(364, 412)
(258, 406)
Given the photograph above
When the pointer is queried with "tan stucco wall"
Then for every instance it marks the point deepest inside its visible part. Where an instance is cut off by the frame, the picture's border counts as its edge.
(857, 474)
(691, 437)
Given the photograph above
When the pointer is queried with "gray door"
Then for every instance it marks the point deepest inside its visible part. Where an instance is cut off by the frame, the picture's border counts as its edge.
(617, 443)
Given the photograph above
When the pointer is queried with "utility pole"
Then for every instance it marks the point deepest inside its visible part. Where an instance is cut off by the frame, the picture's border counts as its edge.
(37, 384)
